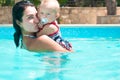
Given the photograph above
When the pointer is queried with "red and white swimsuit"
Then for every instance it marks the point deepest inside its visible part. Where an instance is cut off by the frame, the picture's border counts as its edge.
(56, 36)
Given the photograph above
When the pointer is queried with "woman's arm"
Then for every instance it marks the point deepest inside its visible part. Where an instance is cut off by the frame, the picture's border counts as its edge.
(43, 43)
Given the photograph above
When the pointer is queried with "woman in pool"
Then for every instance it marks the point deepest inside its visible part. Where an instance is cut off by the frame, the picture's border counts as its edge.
(25, 23)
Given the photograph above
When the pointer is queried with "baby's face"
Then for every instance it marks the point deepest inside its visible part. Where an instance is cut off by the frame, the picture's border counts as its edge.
(48, 14)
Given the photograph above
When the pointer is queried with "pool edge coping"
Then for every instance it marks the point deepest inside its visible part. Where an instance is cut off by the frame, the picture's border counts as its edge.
(90, 25)
(76, 25)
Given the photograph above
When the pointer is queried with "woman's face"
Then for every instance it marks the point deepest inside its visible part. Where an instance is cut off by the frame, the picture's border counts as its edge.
(29, 20)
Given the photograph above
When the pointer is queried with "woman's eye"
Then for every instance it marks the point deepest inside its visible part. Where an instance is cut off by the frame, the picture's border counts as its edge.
(30, 17)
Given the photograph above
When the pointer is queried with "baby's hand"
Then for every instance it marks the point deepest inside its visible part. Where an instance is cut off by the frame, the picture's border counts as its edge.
(40, 25)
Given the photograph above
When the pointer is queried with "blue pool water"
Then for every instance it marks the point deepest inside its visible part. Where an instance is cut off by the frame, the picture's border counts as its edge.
(96, 56)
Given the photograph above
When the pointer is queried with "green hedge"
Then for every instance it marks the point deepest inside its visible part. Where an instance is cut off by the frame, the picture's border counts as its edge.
(62, 2)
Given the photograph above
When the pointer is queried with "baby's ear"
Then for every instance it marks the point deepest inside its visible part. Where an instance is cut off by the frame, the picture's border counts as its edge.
(57, 15)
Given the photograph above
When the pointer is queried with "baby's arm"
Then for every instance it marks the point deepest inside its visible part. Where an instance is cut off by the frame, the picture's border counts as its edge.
(47, 30)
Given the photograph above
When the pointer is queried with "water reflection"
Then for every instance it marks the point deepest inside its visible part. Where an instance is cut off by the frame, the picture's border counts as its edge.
(40, 66)
(54, 65)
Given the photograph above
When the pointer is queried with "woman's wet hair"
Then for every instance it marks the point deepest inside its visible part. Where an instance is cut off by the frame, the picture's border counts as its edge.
(17, 14)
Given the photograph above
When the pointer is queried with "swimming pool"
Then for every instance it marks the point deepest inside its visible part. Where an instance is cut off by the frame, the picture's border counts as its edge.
(96, 56)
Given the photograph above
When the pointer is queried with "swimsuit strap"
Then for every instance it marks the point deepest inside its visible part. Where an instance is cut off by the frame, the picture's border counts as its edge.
(54, 23)
(31, 36)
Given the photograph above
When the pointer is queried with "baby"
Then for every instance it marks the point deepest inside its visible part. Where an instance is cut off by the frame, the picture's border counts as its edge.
(48, 12)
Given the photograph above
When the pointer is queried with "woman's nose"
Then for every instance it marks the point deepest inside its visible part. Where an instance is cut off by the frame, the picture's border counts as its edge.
(36, 20)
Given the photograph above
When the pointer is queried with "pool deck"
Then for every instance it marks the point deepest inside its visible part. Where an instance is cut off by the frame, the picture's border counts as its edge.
(76, 25)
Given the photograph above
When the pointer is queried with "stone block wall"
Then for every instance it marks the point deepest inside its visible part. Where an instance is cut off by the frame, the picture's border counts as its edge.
(110, 19)
(84, 15)
(70, 15)
(5, 15)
